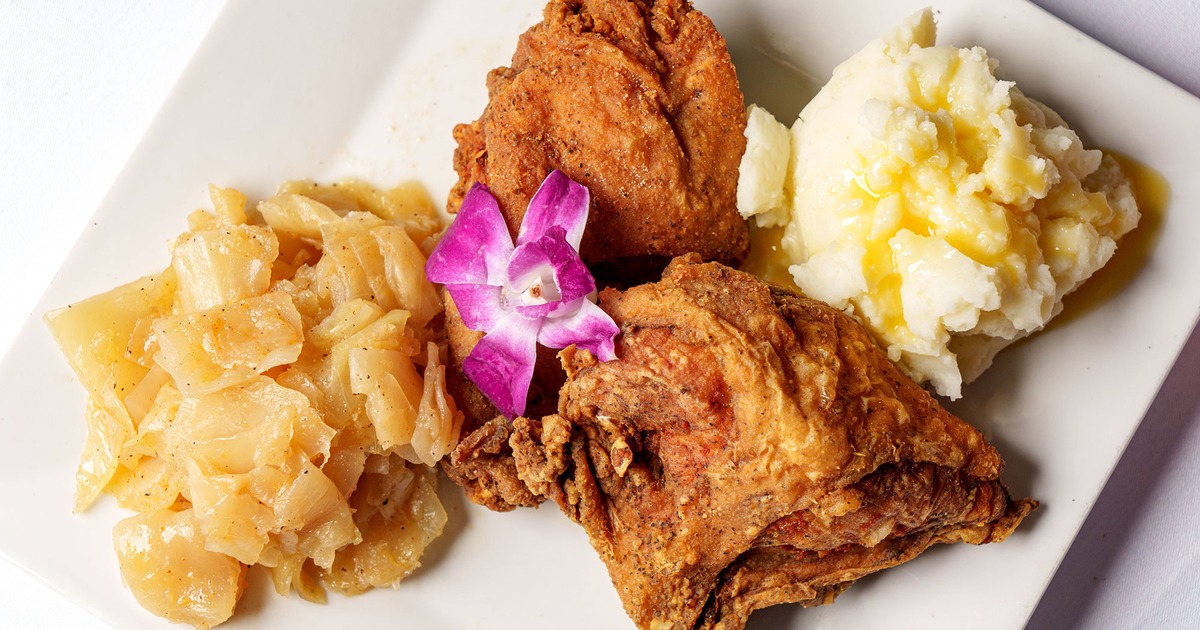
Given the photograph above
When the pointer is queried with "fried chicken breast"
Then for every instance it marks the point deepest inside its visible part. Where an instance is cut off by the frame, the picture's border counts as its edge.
(639, 101)
(751, 447)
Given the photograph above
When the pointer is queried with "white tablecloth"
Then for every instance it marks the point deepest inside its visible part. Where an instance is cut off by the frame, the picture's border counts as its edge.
(70, 116)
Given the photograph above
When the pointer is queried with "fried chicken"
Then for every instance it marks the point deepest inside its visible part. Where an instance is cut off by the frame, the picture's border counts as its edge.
(482, 462)
(751, 447)
(638, 100)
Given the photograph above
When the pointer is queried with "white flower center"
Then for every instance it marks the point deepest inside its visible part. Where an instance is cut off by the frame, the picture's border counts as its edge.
(543, 289)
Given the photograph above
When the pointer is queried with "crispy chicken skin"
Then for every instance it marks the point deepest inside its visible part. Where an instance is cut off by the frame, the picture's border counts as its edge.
(636, 99)
(751, 447)
(639, 101)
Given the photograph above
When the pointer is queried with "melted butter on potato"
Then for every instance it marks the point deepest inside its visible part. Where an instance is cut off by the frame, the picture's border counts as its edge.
(941, 206)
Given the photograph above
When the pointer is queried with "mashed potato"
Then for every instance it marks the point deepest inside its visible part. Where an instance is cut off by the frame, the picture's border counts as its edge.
(941, 206)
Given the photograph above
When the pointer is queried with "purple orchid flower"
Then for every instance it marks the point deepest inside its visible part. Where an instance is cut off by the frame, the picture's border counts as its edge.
(537, 291)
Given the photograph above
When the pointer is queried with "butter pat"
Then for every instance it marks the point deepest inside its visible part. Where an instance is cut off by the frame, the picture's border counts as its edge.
(939, 205)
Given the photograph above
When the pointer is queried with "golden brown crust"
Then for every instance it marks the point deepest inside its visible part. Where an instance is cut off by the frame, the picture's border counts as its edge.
(751, 447)
(482, 462)
(640, 102)
(637, 100)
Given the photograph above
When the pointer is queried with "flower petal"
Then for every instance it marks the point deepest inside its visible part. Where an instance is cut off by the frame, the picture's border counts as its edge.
(558, 201)
(588, 327)
(476, 246)
(549, 257)
(536, 311)
(478, 305)
(501, 364)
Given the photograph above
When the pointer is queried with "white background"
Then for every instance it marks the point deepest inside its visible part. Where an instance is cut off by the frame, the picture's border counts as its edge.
(81, 81)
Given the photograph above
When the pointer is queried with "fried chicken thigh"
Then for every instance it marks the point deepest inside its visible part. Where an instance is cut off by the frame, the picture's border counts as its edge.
(638, 100)
(751, 447)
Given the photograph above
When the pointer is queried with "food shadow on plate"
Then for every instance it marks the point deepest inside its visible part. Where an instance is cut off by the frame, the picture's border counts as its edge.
(458, 515)
(256, 597)
(1125, 501)
(1020, 475)
(768, 78)
(794, 616)
(985, 405)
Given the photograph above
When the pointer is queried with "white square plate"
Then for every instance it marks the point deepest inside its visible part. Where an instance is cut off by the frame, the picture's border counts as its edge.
(286, 89)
